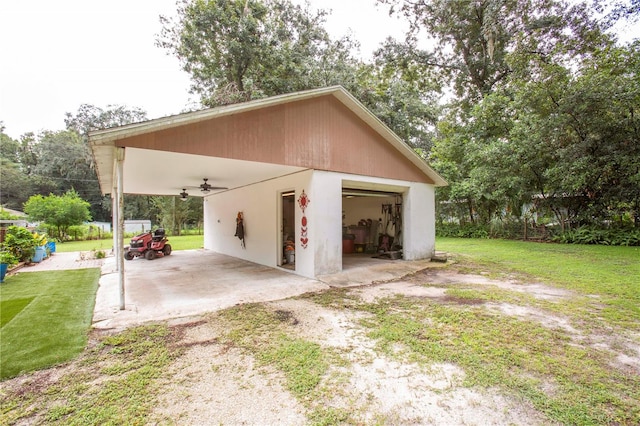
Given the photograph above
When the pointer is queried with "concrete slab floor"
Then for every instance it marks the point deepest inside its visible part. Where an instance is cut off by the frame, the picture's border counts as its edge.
(193, 282)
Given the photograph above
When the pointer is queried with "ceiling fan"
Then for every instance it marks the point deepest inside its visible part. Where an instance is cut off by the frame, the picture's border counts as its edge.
(206, 187)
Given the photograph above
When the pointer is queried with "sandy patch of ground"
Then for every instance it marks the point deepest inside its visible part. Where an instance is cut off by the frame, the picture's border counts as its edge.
(222, 385)
(215, 384)
(451, 277)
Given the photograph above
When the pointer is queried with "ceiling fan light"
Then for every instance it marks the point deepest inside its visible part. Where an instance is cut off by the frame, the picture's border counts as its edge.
(184, 195)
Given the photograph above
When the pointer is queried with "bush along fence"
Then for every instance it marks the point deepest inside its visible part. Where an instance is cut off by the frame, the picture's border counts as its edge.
(623, 236)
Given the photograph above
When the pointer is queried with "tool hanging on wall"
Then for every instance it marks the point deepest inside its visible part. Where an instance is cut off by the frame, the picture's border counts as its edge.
(397, 222)
(240, 229)
(392, 225)
(387, 213)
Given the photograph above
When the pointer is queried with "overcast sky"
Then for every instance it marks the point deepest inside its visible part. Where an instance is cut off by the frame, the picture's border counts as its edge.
(59, 54)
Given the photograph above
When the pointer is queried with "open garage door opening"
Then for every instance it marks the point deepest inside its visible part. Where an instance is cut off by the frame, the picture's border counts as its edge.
(372, 222)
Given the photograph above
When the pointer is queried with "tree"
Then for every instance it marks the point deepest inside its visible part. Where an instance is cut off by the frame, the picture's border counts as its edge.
(473, 43)
(529, 120)
(14, 185)
(62, 157)
(567, 141)
(174, 213)
(237, 50)
(60, 212)
(88, 118)
(17, 160)
(394, 87)
(9, 148)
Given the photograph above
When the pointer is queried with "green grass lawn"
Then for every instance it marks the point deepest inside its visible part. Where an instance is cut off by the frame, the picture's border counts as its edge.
(610, 273)
(45, 317)
(183, 242)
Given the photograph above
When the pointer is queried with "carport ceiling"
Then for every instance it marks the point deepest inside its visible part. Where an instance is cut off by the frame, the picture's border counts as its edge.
(151, 172)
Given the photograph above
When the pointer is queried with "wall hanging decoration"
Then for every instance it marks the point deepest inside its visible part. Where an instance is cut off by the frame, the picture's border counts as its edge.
(240, 229)
(303, 202)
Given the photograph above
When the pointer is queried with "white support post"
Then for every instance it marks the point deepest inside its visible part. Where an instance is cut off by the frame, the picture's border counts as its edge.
(118, 220)
(114, 214)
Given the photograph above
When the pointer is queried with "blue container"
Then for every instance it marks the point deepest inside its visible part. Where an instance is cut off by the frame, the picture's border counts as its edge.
(3, 271)
(51, 245)
(41, 253)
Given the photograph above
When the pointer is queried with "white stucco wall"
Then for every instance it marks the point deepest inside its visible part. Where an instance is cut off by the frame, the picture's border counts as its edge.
(323, 254)
(419, 222)
(260, 207)
(326, 218)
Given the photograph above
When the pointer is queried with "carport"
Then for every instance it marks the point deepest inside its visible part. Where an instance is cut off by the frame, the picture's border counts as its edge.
(286, 163)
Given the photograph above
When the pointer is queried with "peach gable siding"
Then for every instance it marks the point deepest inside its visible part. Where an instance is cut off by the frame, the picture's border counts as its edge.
(319, 133)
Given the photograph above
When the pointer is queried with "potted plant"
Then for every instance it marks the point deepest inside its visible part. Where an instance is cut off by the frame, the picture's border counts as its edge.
(40, 247)
(290, 252)
(6, 261)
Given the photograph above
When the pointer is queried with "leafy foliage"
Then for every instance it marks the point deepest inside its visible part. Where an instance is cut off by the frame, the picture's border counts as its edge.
(20, 242)
(174, 214)
(14, 185)
(462, 231)
(60, 212)
(528, 108)
(90, 117)
(545, 123)
(608, 237)
(247, 49)
(7, 258)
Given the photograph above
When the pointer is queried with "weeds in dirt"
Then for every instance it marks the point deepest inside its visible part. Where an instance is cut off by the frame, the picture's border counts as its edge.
(519, 356)
(564, 376)
(609, 272)
(113, 384)
(270, 337)
(570, 383)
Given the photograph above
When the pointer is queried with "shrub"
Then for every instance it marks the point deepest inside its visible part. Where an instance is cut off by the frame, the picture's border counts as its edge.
(77, 232)
(8, 258)
(20, 243)
(591, 235)
(461, 231)
(513, 230)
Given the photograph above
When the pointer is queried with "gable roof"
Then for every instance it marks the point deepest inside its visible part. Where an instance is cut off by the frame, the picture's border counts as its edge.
(103, 141)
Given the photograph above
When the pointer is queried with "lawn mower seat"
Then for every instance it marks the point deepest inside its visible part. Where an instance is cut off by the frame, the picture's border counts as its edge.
(158, 234)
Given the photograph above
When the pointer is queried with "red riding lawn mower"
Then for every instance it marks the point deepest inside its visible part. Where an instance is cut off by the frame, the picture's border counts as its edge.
(149, 245)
